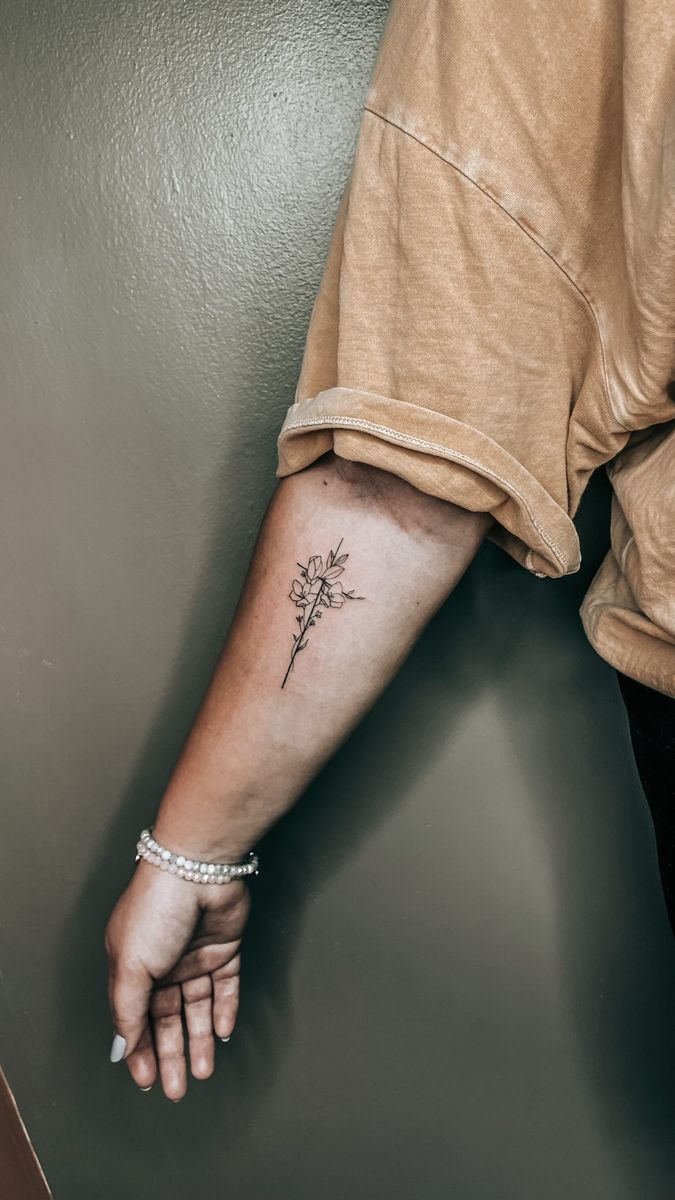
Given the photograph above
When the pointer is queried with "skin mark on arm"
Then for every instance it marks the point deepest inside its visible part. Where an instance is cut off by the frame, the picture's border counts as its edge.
(317, 588)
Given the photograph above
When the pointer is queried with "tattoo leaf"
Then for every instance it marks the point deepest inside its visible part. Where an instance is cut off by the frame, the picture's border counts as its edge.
(333, 573)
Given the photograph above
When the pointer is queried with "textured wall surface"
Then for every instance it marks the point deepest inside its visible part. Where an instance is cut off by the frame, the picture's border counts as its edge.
(466, 989)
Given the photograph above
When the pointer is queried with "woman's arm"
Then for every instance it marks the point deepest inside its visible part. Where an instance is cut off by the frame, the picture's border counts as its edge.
(349, 565)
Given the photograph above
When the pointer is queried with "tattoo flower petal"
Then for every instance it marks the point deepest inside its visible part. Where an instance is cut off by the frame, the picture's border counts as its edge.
(298, 591)
(337, 596)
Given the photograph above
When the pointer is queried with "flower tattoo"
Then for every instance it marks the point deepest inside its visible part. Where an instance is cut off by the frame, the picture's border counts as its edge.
(317, 588)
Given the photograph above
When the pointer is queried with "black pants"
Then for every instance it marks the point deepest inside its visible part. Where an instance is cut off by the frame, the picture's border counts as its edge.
(651, 717)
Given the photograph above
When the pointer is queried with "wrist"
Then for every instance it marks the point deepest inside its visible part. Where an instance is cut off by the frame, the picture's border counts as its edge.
(195, 845)
(159, 887)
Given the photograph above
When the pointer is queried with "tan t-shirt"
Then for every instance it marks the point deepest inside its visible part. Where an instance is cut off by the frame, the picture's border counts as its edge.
(496, 317)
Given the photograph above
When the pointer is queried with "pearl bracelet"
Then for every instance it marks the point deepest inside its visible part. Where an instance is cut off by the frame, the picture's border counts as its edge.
(189, 868)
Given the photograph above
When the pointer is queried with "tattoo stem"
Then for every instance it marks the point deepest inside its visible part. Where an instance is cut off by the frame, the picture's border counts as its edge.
(304, 626)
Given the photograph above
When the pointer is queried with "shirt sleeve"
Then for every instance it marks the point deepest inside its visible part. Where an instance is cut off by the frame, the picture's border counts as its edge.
(444, 346)
(628, 612)
(493, 320)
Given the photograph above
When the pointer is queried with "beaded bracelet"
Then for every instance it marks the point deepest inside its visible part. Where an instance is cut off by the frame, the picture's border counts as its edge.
(189, 868)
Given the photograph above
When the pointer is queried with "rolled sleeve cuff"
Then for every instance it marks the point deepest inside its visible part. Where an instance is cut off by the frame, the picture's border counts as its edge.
(439, 455)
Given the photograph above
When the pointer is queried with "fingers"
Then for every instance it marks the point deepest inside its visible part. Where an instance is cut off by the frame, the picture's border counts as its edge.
(202, 960)
(165, 1007)
(142, 1062)
(198, 1008)
(194, 998)
(148, 1013)
(129, 988)
(226, 997)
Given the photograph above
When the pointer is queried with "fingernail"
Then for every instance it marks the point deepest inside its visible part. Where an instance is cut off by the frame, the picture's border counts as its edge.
(119, 1045)
(226, 1039)
(147, 1089)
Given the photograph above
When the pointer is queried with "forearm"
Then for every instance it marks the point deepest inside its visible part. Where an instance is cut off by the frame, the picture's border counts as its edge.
(276, 709)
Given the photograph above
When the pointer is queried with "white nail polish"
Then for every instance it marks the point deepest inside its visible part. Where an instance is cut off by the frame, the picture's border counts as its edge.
(119, 1045)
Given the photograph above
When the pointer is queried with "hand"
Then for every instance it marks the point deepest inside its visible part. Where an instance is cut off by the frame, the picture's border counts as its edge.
(173, 949)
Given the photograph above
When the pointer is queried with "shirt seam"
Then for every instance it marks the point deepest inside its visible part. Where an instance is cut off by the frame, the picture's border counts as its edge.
(437, 447)
(427, 144)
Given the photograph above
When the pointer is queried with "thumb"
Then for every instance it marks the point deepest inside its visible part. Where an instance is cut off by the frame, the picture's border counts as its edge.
(129, 995)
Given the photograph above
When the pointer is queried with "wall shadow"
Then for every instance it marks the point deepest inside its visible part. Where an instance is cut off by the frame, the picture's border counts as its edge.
(568, 723)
